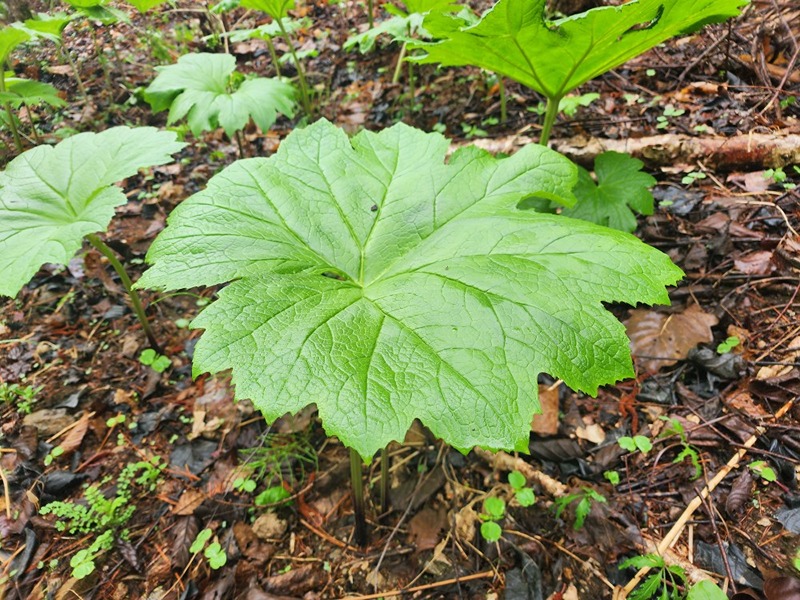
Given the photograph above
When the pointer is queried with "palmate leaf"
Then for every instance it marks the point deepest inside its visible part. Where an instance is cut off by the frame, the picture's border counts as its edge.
(515, 39)
(373, 279)
(145, 5)
(24, 91)
(196, 87)
(620, 184)
(277, 9)
(52, 196)
(11, 36)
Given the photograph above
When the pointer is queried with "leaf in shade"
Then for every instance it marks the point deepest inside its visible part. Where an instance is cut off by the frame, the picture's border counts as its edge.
(183, 534)
(659, 340)
(740, 493)
(789, 518)
(782, 588)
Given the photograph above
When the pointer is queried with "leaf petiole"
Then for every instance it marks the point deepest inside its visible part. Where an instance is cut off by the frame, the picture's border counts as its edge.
(136, 301)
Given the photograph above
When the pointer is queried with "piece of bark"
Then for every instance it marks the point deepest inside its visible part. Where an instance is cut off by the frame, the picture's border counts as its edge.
(722, 153)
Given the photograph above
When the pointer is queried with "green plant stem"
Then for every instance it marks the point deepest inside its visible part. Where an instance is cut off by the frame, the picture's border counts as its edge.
(399, 65)
(503, 107)
(301, 76)
(384, 480)
(33, 125)
(357, 485)
(75, 72)
(273, 54)
(370, 8)
(549, 119)
(412, 92)
(136, 302)
(7, 107)
(240, 143)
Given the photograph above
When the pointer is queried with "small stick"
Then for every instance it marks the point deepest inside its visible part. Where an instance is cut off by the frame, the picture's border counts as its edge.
(420, 588)
(680, 524)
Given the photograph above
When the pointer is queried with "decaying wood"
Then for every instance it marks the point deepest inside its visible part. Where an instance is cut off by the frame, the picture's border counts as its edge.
(755, 150)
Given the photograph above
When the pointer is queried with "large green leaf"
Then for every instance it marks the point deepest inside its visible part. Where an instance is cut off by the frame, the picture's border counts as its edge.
(373, 279)
(197, 87)
(277, 9)
(553, 57)
(52, 196)
(620, 184)
(10, 37)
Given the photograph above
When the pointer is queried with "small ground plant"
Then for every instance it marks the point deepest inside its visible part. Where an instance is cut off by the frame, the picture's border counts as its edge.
(102, 517)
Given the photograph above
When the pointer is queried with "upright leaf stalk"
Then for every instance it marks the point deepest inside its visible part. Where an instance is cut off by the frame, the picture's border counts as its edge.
(301, 75)
(136, 301)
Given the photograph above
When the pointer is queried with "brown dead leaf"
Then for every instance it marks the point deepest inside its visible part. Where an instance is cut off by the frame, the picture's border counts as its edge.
(189, 501)
(73, 438)
(183, 535)
(752, 182)
(659, 340)
(755, 263)
(546, 423)
(425, 528)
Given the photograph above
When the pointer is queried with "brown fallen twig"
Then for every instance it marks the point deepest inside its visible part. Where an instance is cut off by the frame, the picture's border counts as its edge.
(673, 534)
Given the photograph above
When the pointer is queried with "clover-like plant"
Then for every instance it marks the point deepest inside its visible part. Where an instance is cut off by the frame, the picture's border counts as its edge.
(385, 285)
(515, 39)
(201, 88)
(52, 197)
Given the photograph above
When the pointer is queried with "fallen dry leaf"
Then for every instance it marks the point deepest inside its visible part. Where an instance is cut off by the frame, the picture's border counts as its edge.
(755, 263)
(659, 340)
(546, 423)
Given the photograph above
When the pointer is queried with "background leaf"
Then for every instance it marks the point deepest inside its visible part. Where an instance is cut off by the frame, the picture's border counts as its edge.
(515, 39)
(620, 184)
(277, 9)
(52, 196)
(384, 285)
(197, 87)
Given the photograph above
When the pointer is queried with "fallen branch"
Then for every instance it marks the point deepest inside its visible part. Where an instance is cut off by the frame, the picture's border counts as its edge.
(677, 529)
(761, 150)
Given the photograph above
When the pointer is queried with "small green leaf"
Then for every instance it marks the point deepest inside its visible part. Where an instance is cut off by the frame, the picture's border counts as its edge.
(525, 497)
(200, 541)
(581, 512)
(491, 531)
(706, 590)
(359, 282)
(516, 480)
(515, 39)
(161, 363)
(620, 184)
(50, 197)
(651, 561)
(632, 444)
(729, 344)
(760, 468)
(82, 564)
(272, 495)
(11, 36)
(495, 508)
(648, 588)
(198, 87)
(215, 555)
(612, 477)
(147, 356)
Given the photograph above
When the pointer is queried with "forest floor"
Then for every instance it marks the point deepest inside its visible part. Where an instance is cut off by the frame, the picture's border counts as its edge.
(276, 497)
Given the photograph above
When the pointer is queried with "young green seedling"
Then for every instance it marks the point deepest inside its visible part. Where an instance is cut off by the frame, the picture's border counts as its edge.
(359, 283)
(636, 443)
(586, 497)
(517, 40)
(201, 88)
(494, 509)
(729, 344)
(621, 188)
(52, 197)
